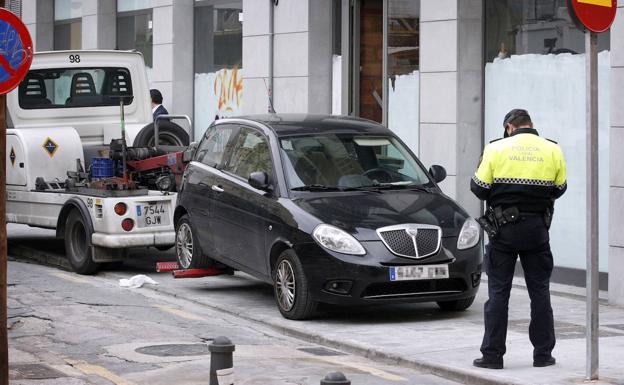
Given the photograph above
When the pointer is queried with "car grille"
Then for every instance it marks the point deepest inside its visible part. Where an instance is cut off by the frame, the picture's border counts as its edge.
(414, 288)
(413, 241)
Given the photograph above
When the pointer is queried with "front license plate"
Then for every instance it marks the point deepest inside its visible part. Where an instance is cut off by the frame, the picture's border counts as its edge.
(152, 215)
(410, 273)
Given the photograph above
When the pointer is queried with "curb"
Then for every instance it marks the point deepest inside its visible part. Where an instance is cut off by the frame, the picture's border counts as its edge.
(448, 372)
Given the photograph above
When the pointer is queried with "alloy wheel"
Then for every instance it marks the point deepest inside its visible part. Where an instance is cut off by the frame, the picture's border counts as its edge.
(285, 285)
(184, 245)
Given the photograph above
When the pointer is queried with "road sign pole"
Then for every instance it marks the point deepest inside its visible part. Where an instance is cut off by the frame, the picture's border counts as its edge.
(592, 284)
(4, 338)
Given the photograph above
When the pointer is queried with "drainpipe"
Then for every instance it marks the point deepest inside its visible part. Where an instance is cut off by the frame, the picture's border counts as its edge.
(271, 52)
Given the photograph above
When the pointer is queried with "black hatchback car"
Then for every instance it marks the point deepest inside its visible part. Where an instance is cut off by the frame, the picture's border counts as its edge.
(326, 209)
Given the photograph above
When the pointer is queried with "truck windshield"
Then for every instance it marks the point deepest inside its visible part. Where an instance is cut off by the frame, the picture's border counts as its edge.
(345, 161)
(75, 87)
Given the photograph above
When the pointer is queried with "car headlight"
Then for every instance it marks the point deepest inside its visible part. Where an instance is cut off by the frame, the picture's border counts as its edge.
(337, 240)
(469, 234)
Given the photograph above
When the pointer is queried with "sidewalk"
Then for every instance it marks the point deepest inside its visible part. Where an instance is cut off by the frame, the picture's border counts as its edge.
(418, 335)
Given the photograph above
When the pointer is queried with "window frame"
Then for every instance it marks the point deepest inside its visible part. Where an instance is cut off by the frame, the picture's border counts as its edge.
(134, 13)
(234, 139)
(228, 144)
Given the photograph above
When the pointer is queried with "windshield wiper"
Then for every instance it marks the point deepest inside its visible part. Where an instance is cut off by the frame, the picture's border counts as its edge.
(316, 187)
(398, 186)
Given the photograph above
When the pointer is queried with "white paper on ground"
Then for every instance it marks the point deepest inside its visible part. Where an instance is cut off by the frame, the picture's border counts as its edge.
(136, 281)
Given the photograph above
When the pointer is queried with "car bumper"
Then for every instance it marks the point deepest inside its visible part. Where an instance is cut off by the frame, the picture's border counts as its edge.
(117, 241)
(366, 279)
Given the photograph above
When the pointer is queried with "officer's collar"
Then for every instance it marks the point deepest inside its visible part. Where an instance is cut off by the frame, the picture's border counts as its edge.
(525, 130)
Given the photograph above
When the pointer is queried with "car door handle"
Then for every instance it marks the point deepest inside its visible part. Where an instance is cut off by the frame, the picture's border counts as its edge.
(217, 188)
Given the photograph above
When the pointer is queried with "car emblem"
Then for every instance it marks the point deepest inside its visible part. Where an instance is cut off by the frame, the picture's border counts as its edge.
(411, 232)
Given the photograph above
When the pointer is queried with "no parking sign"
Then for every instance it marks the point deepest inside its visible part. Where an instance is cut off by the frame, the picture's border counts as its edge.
(595, 15)
(16, 51)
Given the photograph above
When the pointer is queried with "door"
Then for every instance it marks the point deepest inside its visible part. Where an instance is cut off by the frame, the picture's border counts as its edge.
(15, 167)
(371, 60)
(241, 212)
(200, 179)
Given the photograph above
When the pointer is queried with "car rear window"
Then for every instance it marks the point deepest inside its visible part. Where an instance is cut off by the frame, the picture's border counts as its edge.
(75, 87)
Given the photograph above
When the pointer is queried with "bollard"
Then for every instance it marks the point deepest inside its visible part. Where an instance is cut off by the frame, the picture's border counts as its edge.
(335, 378)
(220, 357)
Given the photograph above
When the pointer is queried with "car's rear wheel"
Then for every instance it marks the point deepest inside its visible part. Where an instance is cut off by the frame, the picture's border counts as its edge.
(457, 305)
(187, 247)
(291, 288)
(79, 253)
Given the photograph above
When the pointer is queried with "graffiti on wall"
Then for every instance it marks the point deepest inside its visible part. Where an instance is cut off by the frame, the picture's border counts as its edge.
(217, 95)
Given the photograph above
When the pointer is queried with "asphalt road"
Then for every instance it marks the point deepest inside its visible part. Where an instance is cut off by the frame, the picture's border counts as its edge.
(71, 329)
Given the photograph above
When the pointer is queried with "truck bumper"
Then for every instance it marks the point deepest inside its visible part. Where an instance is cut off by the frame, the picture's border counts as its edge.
(116, 241)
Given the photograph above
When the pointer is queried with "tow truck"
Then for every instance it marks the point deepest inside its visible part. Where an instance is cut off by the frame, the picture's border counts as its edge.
(85, 158)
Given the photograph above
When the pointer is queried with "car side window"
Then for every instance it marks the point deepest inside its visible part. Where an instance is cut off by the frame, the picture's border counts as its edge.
(250, 153)
(214, 145)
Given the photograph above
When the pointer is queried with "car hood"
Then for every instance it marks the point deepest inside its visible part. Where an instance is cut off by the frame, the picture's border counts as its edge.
(362, 213)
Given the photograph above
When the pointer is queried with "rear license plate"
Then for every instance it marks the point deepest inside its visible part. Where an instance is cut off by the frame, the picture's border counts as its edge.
(410, 273)
(149, 215)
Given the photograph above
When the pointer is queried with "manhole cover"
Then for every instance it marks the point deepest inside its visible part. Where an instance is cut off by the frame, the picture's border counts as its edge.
(319, 351)
(175, 350)
(33, 372)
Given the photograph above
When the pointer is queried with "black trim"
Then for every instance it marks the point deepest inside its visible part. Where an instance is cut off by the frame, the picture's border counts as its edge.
(525, 130)
(571, 276)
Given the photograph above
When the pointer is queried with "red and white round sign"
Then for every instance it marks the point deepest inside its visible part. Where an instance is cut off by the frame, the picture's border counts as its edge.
(16, 51)
(595, 15)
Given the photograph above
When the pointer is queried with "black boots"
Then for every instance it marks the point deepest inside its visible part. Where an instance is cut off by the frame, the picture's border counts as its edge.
(488, 363)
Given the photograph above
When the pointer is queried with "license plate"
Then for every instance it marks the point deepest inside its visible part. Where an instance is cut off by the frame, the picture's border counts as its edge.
(410, 273)
(152, 215)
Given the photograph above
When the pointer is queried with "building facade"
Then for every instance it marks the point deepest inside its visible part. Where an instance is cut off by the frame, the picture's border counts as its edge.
(439, 73)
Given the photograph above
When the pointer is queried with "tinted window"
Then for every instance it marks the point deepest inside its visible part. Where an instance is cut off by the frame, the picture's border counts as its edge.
(349, 161)
(212, 148)
(250, 153)
(74, 87)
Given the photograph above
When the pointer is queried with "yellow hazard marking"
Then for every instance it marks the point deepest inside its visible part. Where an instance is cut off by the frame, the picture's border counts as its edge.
(347, 361)
(179, 313)
(100, 371)
(600, 3)
(69, 277)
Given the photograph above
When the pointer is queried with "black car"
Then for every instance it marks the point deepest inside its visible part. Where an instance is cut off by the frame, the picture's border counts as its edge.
(326, 209)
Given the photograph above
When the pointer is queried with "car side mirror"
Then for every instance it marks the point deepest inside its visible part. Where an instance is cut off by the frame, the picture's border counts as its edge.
(438, 173)
(187, 155)
(259, 180)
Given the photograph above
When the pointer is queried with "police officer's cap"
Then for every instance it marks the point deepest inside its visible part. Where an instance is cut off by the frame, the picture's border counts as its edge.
(513, 115)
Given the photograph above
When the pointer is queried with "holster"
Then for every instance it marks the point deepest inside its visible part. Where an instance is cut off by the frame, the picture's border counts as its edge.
(488, 223)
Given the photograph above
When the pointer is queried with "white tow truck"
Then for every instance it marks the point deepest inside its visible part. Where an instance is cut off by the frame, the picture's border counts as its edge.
(67, 167)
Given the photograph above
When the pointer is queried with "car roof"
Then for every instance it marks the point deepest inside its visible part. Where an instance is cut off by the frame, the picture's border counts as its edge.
(296, 124)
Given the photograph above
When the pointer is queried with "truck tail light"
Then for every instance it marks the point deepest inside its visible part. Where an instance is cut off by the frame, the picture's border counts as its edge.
(127, 224)
(121, 208)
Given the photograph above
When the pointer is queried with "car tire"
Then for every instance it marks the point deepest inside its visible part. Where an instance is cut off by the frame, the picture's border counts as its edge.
(188, 251)
(169, 134)
(79, 253)
(289, 277)
(457, 305)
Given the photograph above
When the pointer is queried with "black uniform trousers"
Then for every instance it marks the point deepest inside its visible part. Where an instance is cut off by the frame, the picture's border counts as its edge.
(527, 238)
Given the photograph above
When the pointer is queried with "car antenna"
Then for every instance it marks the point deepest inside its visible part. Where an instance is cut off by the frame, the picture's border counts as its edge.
(270, 94)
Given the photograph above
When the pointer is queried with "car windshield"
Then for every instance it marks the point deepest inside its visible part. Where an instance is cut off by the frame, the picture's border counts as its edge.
(347, 161)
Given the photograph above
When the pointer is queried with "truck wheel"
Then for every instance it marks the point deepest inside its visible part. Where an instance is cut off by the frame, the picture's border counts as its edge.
(77, 247)
(457, 305)
(290, 285)
(169, 134)
(188, 251)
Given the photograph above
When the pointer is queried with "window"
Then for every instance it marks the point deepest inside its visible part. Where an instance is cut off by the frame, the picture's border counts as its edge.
(348, 161)
(212, 148)
(67, 24)
(218, 58)
(250, 153)
(134, 31)
(74, 87)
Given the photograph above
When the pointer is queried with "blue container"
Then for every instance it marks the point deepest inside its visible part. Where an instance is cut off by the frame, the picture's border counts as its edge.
(102, 168)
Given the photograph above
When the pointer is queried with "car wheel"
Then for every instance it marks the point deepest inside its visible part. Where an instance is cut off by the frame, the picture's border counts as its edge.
(79, 253)
(290, 284)
(187, 247)
(457, 305)
(169, 134)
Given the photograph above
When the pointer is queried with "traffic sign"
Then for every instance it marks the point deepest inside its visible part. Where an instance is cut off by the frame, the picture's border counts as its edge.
(594, 15)
(16, 51)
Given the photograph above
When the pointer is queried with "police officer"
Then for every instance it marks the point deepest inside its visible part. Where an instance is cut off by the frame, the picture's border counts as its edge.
(520, 176)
